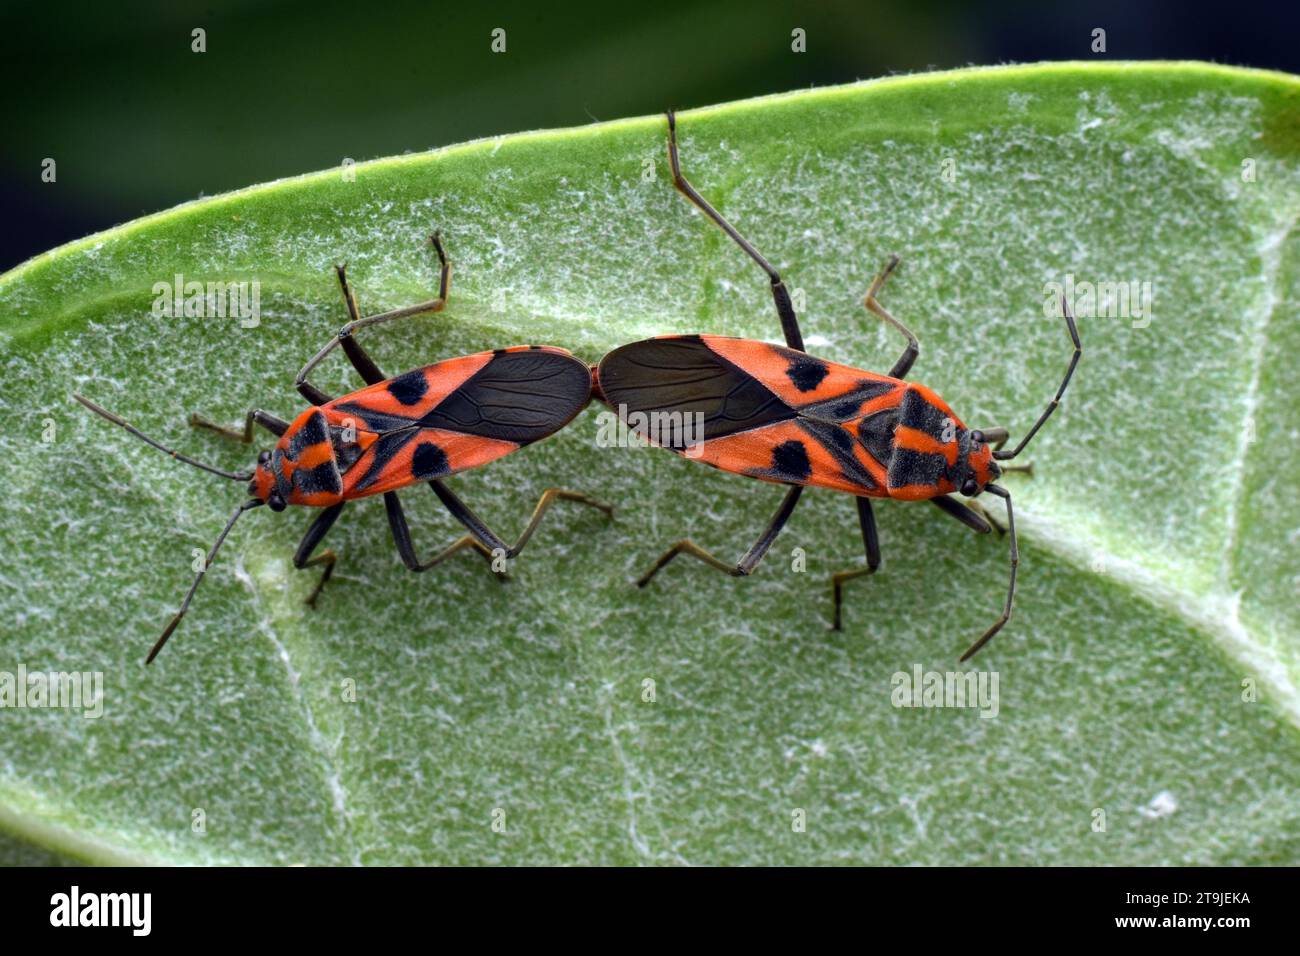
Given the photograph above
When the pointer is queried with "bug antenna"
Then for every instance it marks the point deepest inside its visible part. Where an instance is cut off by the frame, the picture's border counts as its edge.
(1051, 406)
(207, 563)
(116, 420)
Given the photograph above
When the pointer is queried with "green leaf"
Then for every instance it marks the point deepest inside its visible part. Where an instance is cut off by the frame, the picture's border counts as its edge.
(1159, 567)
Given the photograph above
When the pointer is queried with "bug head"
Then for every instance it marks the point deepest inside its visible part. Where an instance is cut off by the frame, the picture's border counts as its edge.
(262, 486)
(980, 467)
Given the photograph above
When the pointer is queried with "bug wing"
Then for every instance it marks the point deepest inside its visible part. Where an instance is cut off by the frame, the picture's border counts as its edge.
(445, 418)
(680, 380)
(522, 395)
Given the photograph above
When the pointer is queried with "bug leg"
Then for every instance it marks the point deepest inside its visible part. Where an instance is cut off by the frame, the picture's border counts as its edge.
(968, 513)
(303, 558)
(871, 541)
(549, 497)
(995, 522)
(360, 360)
(904, 363)
(1011, 584)
(497, 547)
(748, 561)
(462, 513)
(313, 394)
(276, 426)
(784, 307)
(1056, 400)
(402, 538)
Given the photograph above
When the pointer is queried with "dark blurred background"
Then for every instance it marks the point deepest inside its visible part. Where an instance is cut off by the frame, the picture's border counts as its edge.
(136, 122)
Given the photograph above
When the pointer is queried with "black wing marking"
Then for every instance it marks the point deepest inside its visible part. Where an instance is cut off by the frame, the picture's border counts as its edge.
(684, 377)
(386, 449)
(846, 407)
(839, 445)
(520, 396)
(374, 421)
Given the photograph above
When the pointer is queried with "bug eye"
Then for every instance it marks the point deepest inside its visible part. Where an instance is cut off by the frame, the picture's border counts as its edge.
(977, 437)
(970, 488)
(275, 503)
(263, 457)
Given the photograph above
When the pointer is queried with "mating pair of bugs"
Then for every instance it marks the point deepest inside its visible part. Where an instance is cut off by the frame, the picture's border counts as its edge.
(770, 412)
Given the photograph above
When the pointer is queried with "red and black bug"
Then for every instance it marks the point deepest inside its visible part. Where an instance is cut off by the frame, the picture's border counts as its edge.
(781, 415)
(421, 426)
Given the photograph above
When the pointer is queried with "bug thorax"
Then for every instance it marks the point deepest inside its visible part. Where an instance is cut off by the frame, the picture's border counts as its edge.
(307, 465)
